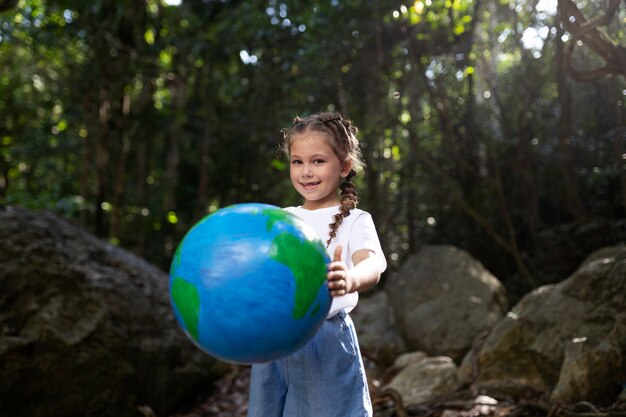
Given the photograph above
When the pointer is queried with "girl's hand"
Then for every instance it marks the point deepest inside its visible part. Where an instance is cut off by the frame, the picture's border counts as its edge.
(340, 280)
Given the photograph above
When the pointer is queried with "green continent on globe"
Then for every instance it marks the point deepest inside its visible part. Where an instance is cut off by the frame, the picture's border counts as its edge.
(277, 215)
(187, 301)
(307, 265)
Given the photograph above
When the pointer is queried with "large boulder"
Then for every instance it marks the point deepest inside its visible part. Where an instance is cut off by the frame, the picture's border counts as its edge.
(378, 336)
(442, 299)
(86, 328)
(567, 340)
(423, 379)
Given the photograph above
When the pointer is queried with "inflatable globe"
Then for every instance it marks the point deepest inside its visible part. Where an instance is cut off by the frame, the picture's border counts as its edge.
(248, 283)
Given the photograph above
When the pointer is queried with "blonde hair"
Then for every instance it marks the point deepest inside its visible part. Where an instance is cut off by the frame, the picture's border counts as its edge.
(340, 135)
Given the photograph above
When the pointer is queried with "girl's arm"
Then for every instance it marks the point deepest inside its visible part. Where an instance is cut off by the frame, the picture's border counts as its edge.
(365, 273)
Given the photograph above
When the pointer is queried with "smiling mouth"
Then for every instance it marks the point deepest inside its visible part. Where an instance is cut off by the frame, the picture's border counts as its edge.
(310, 185)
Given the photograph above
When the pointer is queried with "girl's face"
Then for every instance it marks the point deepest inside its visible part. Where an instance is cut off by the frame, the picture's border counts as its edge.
(315, 170)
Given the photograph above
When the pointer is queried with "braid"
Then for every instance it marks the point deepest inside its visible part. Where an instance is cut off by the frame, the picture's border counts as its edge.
(349, 200)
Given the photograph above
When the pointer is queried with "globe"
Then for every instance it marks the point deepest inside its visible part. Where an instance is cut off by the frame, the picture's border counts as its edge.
(248, 283)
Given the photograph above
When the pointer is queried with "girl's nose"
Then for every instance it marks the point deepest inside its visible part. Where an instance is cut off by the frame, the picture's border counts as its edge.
(306, 170)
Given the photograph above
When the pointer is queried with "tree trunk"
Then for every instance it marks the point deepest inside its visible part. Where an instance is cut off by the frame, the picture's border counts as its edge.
(412, 217)
(178, 91)
(120, 171)
(526, 166)
(372, 151)
(202, 197)
(619, 142)
(84, 179)
(145, 106)
(102, 161)
(142, 192)
(572, 197)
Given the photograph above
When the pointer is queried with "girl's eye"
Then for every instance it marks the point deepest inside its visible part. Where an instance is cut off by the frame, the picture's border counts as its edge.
(319, 161)
(296, 162)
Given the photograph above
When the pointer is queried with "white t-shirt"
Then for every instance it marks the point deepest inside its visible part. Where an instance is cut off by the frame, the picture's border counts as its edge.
(357, 231)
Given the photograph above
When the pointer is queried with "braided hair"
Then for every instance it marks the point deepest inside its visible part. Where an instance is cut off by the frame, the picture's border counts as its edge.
(341, 137)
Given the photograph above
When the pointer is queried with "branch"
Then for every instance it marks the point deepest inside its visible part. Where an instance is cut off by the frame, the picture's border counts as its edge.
(602, 20)
(457, 196)
(581, 28)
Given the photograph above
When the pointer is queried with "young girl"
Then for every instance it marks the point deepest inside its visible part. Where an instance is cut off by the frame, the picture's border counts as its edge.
(326, 377)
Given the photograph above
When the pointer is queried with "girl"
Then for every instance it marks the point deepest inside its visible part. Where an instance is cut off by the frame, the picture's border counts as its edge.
(326, 377)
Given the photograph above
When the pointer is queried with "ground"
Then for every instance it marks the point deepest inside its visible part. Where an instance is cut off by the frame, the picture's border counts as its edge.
(230, 399)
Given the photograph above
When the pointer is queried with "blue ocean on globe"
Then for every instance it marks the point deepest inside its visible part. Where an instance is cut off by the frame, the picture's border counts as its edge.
(248, 283)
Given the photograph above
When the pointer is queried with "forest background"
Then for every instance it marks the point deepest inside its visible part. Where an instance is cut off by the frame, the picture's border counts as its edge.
(496, 126)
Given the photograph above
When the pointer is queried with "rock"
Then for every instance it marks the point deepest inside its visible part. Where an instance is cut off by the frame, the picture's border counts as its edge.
(567, 339)
(586, 363)
(86, 328)
(442, 299)
(376, 329)
(426, 379)
(406, 359)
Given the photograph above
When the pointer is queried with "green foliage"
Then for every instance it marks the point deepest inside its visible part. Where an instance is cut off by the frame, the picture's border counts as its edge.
(138, 118)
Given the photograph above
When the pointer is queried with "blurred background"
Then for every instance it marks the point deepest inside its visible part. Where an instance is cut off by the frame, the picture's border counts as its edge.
(495, 126)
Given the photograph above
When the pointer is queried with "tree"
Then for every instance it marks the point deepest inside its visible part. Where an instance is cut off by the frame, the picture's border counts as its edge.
(136, 118)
